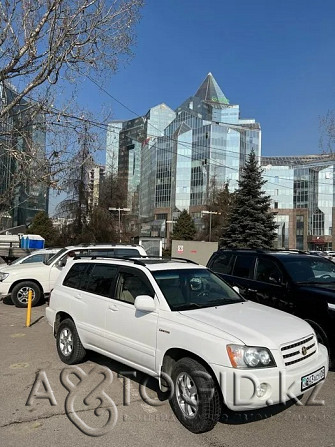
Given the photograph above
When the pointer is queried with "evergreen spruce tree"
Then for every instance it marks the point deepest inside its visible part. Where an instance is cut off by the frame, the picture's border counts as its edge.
(250, 222)
(184, 228)
(42, 225)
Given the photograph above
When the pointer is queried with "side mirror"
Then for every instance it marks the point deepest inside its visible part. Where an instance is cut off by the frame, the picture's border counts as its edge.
(237, 289)
(145, 303)
(275, 280)
(61, 263)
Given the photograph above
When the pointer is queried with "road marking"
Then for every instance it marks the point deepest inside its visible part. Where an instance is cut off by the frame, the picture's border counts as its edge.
(19, 365)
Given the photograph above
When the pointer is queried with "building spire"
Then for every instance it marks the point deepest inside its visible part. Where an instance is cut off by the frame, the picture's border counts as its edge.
(209, 90)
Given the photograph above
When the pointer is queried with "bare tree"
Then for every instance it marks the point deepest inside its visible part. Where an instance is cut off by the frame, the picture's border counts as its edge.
(44, 44)
(42, 40)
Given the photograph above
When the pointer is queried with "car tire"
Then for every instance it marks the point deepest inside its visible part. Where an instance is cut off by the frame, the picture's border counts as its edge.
(69, 346)
(322, 338)
(19, 294)
(195, 400)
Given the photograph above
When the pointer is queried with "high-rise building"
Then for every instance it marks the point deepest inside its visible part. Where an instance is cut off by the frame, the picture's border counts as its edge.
(22, 149)
(96, 177)
(204, 146)
(302, 189)
(112, 146)
(125, 140)
(169, 160)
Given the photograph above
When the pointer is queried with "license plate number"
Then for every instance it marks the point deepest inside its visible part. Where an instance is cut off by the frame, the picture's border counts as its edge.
(312, 379)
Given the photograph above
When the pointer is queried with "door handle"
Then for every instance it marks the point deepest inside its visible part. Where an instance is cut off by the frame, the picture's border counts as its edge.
(113, 307)
(252, 290)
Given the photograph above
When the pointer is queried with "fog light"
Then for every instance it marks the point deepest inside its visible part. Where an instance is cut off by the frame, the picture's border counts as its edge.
(261, 390)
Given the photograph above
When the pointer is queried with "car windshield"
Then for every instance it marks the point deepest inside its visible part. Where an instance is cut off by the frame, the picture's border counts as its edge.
(18, 260)
(186, 289)
(313, 269)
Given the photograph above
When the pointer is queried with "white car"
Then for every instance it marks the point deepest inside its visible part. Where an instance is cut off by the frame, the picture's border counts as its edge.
(17, 280)
(180, 323)
(41, 255)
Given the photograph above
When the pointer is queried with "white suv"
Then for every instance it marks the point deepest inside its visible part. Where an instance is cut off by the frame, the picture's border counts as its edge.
(17, 280)
(41, 255)
(179, 322)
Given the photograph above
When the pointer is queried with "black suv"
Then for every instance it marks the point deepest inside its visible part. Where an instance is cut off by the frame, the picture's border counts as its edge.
(301, 284)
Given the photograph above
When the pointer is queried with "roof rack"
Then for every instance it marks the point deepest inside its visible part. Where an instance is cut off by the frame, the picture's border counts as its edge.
(100, 244)
(140, 260)
(266, 250)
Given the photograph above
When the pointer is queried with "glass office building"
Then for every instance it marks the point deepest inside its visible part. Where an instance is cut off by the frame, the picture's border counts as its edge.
(302, 191)
(22, 140)
(170, 160)
(112, 146)
(206, 143)
(125, 140)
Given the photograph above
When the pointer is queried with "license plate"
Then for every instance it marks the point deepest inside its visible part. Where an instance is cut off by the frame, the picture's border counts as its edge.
(312, 379)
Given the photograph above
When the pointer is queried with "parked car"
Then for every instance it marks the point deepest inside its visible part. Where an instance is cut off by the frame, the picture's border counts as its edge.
(179, 320)
(301, 284)
(330, 255)
(317, 252)
(17, 280)
(41, 255)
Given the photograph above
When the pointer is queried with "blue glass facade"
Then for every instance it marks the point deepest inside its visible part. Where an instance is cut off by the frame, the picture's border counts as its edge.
(112, 146)
(125, 140)
(170, 159)
(22, 137)
(303, 183)
(206, 141)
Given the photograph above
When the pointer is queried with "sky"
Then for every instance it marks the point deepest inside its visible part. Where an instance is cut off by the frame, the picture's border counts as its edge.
(273, 58)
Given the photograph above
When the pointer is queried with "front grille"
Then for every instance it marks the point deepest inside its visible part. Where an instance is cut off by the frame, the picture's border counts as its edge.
(299, 350)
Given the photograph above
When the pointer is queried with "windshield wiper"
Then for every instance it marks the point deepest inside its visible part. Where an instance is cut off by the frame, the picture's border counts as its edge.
(188, 306)
(222, 302)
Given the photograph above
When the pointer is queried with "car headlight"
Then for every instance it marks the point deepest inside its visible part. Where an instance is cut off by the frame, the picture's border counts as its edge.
(3, 276)
(241, 356)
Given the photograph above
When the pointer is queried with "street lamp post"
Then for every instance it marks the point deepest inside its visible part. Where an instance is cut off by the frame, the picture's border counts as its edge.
(119, 210)
(210, 221)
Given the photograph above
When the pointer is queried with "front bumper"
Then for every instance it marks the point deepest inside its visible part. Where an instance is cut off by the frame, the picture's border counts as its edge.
(241, 388)
(4, 289)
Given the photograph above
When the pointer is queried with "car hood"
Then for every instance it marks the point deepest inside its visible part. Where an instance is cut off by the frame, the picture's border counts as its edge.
(253, 324)
(21, 267)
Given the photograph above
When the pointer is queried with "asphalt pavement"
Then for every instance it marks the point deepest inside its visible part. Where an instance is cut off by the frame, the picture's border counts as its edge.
(46, 403)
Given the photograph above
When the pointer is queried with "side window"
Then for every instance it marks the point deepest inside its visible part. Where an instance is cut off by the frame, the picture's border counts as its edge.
(244, 266)
(222, 263)
(130, 286)
(107, 253)
(126, 252)
(101, 279)
(76, 276)
(268, 271)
